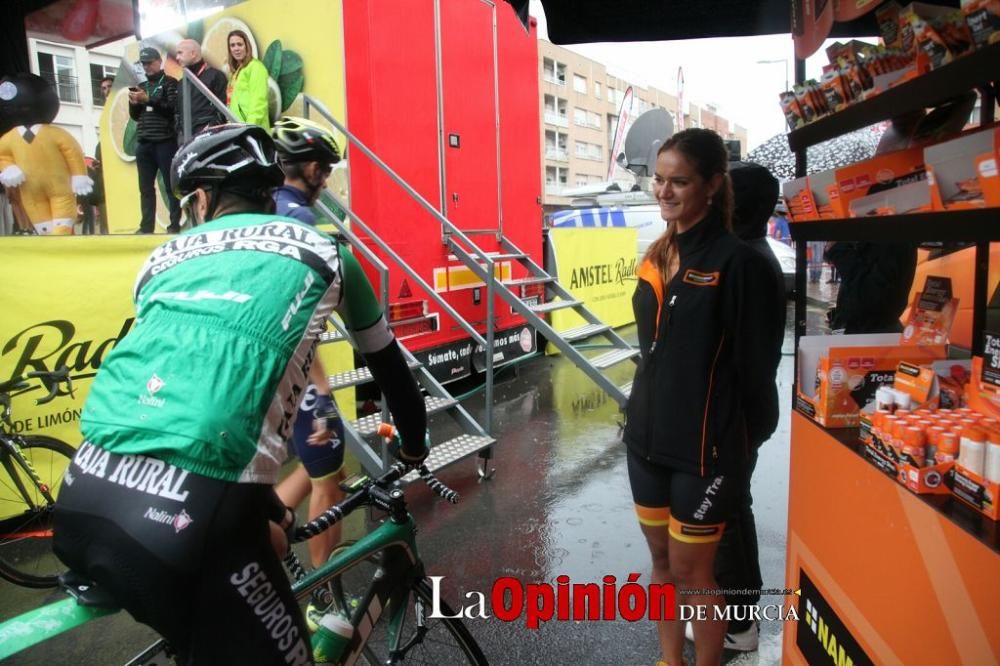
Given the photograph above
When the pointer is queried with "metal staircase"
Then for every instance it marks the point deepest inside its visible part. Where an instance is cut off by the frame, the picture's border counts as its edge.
(361, 434)
(482, 265)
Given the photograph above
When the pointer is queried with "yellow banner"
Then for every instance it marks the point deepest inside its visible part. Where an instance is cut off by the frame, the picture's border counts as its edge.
(596, 265)
(300, 43)
(67, 301)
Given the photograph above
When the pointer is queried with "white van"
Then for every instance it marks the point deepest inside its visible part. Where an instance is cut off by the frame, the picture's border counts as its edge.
(645, 217)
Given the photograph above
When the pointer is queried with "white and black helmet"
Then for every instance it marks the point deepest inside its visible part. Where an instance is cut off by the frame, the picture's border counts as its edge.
(234, 157)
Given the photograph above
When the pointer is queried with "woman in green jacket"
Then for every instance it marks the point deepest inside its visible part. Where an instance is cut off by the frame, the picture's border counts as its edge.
(247, 90)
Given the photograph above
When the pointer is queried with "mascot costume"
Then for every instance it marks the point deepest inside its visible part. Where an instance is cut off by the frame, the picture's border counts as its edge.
(41, 165)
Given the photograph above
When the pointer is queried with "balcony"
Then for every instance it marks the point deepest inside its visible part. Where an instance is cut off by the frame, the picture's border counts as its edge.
(554, 190)
(556, 154)
(554, 80)
(553, 118)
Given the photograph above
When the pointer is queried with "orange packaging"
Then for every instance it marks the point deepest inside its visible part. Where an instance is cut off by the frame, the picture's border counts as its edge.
(963, 172)
(918, 382)
(931, 314)
(877, 174)
(887, 17)
(850, 372)
(791, 110)
(976, 491)
(983, 19)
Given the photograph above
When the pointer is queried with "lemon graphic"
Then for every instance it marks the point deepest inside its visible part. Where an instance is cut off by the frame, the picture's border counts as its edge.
(273, 100)
(297, 107)
(215, 45)
(121, 127)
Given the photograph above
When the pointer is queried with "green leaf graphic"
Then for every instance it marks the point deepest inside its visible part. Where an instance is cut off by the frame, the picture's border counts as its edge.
(274, 59)
(292, 81)
(130, 137)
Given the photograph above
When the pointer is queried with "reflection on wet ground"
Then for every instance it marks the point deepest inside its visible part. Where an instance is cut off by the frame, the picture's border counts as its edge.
(559, 504)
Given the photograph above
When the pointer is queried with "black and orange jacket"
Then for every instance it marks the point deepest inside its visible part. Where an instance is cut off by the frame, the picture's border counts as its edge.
(704, 393)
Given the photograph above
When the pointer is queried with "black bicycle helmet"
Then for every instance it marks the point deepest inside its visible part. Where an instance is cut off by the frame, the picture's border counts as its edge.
(301, 140)
(234, 157)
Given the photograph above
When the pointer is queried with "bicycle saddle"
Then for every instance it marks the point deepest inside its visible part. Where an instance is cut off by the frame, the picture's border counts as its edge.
(85, 591)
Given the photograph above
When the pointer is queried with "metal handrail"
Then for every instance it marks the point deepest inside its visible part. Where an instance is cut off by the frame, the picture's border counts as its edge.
(487, 275)
(190, 79)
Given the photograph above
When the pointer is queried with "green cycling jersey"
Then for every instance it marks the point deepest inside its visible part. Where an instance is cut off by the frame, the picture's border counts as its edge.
(227, 318)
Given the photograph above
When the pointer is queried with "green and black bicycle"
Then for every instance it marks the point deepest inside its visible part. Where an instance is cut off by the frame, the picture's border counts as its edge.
(377, 581)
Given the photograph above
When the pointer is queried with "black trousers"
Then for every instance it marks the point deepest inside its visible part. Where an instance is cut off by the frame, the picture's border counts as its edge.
(737, 563)
(150, 158)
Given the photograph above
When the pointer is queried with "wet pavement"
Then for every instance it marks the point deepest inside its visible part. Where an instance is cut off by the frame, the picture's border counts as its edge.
(559, 503)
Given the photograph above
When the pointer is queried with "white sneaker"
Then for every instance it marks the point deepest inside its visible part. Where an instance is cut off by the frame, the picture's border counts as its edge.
(743, 641)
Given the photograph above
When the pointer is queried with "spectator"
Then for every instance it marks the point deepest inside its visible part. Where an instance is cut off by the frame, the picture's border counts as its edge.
(781, 230)
(814, 258)
(97, 196)
(152, 105)
(203, 112)
(247, 92)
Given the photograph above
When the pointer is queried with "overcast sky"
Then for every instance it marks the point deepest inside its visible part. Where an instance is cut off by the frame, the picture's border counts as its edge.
(723, 72)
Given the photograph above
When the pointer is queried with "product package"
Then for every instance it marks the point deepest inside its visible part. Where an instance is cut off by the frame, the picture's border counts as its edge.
(811, 197)
(910, 198)
(839, 374)
(983, 19)
(963, 172)
(941, 34)
(978, 492)
(931, 314)
(878, 174)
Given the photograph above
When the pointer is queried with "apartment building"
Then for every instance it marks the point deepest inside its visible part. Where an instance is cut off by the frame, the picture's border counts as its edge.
(76, 75)
(580, 101)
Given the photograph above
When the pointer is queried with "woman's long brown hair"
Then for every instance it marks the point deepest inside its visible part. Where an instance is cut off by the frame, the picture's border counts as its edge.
(233, 65)
(705, 150)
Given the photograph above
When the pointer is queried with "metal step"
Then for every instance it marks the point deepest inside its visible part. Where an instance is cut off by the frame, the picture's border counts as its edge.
(583, 332)
(523, 282)
(552, 306)
(613, 357)
(626, 389)
(453, 450)
(368, 425)
(332, 335)
(357, 376)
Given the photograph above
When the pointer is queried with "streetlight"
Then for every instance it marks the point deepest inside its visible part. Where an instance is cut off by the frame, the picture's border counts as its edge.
(784, 61)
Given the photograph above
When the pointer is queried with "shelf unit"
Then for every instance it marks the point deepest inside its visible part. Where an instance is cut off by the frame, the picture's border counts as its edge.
(927, 90)
(912, 560)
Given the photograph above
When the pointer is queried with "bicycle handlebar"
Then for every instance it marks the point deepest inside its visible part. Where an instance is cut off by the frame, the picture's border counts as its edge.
(56, 378)
(372, 493)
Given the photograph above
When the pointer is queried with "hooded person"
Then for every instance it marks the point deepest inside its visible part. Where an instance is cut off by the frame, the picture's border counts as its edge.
(737, 564)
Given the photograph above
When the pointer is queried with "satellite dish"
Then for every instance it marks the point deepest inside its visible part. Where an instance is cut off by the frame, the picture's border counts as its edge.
(644, 138)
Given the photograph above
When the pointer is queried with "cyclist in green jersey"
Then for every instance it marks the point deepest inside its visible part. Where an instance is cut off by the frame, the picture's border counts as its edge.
(168, 501)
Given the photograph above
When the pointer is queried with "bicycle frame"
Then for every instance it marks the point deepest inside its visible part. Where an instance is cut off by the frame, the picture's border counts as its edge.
(400, 567)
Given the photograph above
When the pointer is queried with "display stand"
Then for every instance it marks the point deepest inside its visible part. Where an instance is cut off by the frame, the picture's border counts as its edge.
(887, 576)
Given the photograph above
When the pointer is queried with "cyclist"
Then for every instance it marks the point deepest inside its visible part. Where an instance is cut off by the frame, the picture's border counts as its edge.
(307, 153)
(168, 500)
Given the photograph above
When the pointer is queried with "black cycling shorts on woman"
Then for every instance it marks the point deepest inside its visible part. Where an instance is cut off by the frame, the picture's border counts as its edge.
(704, 388)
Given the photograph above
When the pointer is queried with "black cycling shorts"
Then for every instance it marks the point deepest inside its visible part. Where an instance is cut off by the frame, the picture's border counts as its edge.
(187, 555)
(323, 460)
(694, 508)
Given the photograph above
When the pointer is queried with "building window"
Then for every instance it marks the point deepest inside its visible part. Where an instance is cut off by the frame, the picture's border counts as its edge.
(584, 118)
(580, 117)
(553, 72)
(98, 72)
(611, 94)
(582, 180)
(597, 89)
(60, 71)
(579, 84)
(588, 151)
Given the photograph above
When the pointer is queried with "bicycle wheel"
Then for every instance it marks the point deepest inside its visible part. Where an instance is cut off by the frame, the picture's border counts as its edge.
(26, 556)
(447, 640)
